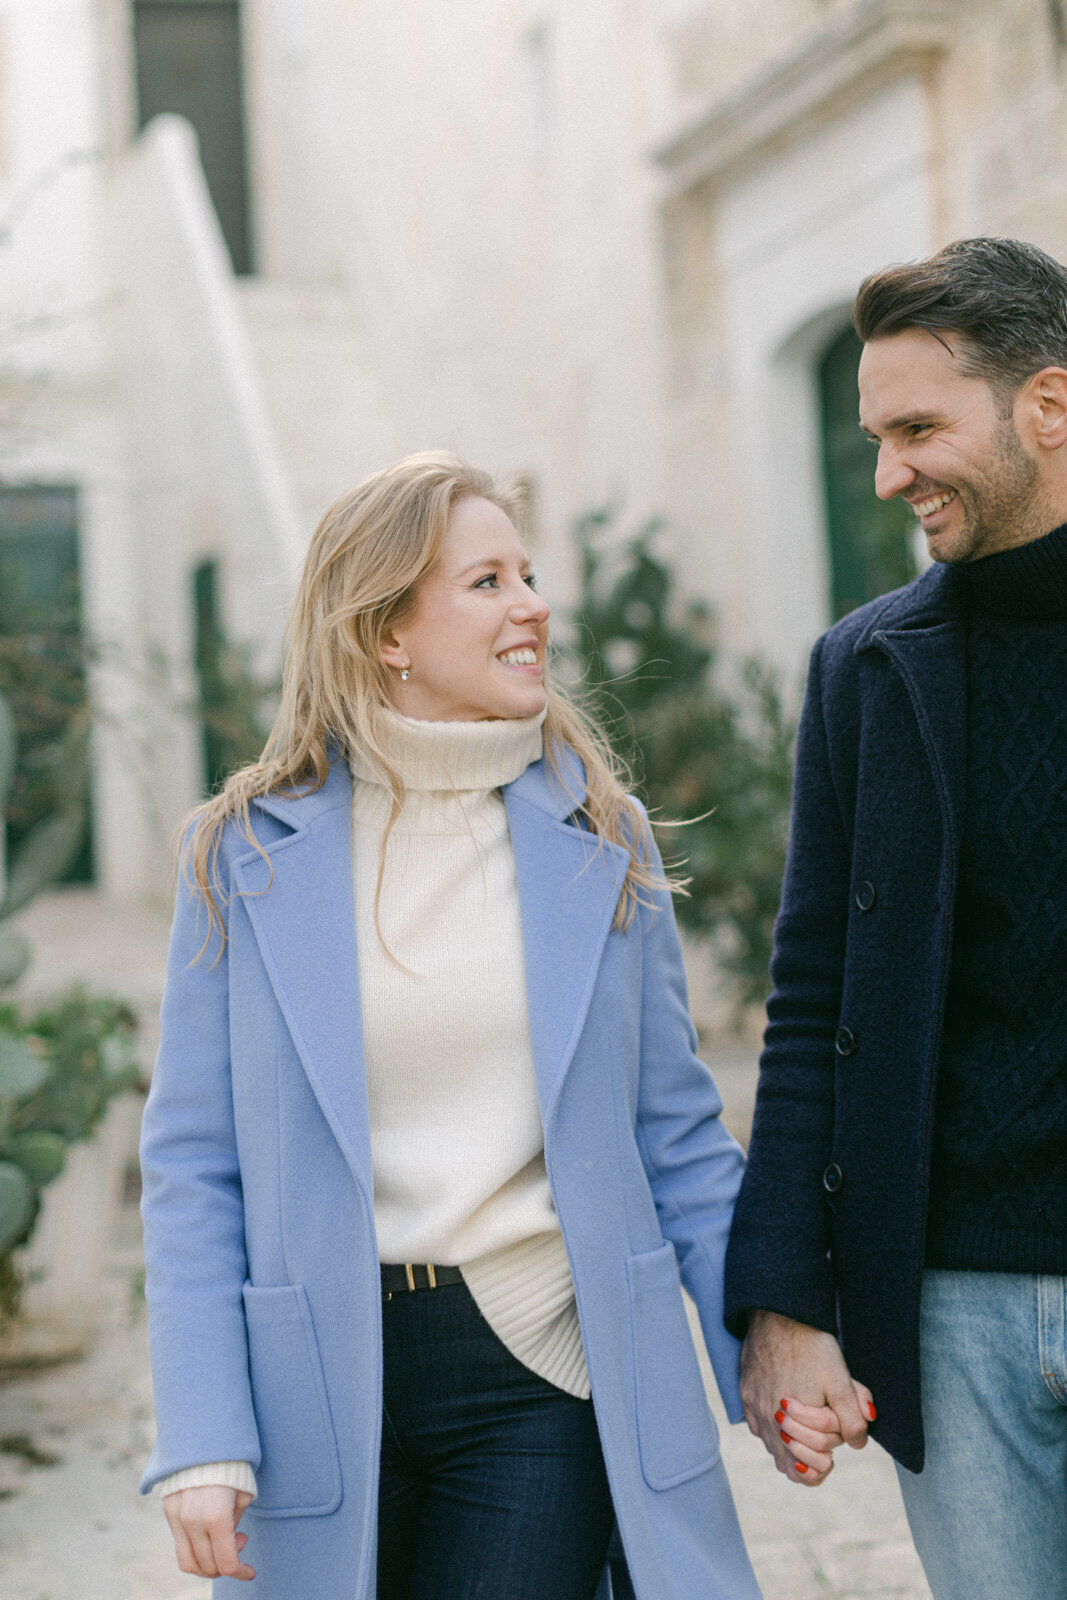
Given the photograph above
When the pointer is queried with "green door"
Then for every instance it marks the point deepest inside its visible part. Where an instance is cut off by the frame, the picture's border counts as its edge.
(870, 539)
(42, 651)
(189, 62)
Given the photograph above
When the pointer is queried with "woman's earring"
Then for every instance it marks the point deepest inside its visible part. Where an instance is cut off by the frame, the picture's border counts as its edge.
(405, 673)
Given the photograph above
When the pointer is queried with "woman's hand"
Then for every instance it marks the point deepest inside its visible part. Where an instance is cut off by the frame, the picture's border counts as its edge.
(204, 1525)
(782, 1361)
(811, 1433)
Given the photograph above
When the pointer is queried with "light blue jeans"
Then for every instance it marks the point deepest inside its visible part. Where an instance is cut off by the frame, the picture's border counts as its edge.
(988, 1512)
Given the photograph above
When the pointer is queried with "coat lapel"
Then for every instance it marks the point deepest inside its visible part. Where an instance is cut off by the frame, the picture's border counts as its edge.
(569, 885)
(306, 930)
(922, 633)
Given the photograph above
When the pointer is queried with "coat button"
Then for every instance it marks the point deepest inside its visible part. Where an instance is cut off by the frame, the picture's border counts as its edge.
(844, 1041)
(833, 1178)
(866, 895)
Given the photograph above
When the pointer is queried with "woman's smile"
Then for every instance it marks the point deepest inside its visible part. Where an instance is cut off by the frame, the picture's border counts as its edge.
(474, 645)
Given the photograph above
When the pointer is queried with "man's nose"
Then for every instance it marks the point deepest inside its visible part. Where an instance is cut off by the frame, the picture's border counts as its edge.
(892, 475)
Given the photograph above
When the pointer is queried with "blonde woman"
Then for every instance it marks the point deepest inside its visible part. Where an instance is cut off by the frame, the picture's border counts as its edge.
(428, 1150)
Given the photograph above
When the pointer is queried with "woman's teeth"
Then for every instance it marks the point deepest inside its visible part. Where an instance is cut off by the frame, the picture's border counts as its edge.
(518, 658)
(926, 508)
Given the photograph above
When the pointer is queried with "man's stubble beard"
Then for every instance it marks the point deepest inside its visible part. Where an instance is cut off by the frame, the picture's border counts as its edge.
(1006, 506)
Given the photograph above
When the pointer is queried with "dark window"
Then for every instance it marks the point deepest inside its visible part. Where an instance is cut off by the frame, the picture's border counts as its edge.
(232, 699)
(208, 648)
(870, 539)
(189, 62)
(42, 661)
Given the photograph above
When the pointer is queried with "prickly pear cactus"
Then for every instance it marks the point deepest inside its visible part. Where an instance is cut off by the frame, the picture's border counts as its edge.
(59, 1069)
(48, 850)
(14, 950)
(22, 1073)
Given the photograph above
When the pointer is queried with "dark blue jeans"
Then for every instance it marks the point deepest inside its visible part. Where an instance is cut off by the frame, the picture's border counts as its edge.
(492, 1480)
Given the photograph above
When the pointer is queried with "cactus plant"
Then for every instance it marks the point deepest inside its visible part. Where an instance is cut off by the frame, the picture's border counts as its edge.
(59, 1069)
(22, 1073)
(14, 950)
(18, 1205)
(47, 850)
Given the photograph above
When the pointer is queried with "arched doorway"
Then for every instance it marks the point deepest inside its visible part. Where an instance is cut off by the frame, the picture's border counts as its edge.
(870, 540)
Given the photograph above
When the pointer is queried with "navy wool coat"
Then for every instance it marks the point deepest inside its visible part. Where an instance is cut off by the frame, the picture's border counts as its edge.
(263, 1287)
(831, 1220)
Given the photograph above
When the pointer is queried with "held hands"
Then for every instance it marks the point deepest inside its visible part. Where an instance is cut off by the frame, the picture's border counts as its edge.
(204, 1525)
(799, 1397)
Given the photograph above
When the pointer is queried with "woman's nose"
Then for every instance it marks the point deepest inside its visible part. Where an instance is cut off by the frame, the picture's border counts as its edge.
(530, 606)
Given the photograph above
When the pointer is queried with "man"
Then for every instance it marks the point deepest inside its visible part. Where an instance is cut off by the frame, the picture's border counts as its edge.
(903, 1220)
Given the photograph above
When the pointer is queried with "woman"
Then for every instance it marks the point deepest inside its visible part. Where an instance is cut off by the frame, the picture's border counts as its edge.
(427, 1142)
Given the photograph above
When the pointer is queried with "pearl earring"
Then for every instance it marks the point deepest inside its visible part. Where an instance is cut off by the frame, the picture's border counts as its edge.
(405, 674)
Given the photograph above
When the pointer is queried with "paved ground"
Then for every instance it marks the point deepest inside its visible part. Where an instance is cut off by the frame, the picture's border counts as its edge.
(72, 1440)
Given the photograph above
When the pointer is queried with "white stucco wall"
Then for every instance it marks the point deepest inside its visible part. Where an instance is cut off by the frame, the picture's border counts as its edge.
(476, 178)
(795, 238)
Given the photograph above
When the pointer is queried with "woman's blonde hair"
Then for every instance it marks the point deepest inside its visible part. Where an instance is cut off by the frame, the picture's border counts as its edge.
(361, 575)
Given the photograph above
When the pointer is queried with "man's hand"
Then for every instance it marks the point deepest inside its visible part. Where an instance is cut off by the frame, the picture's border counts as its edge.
(799, 1397)
(204, 1525)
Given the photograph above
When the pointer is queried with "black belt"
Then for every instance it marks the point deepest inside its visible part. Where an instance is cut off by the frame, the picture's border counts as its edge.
(404, 1276)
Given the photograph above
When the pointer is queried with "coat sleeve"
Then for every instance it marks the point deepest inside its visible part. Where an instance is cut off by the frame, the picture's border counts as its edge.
(779, 1254)
(693, 1163)
(194, 1218)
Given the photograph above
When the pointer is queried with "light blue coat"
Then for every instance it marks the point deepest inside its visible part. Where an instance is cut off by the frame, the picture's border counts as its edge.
(263, 1290)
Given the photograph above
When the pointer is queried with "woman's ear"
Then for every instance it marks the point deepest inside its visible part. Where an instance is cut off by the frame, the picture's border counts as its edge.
(392, 651)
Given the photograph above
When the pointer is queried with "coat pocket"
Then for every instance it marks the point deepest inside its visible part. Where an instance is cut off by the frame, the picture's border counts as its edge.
(299, 1474)
(676, 1432)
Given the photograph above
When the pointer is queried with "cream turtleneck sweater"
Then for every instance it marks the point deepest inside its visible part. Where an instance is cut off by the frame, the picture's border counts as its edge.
(456, 1135)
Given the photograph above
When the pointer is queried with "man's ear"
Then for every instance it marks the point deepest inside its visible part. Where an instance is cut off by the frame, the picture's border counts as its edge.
(1045, 398)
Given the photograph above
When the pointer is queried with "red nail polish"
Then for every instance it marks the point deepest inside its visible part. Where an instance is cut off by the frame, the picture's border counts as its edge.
(779, 1416)
(871, 1410)
(784, 1404)
(785, 1437)
(800, 1466)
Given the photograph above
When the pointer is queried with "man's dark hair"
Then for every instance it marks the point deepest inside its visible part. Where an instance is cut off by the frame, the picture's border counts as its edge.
(1006, 300)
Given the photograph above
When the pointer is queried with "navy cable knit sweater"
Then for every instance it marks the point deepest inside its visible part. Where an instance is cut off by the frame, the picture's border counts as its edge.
(998, 1199)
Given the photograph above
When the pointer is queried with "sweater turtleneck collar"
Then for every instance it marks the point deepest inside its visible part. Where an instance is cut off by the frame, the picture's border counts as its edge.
(454, 756)
(1028, 581)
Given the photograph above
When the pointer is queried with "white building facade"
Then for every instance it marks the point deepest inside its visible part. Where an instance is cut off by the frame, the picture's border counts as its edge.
(607, 245)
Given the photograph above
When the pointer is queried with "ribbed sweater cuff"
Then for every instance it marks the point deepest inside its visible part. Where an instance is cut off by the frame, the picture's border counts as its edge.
(213, 1474)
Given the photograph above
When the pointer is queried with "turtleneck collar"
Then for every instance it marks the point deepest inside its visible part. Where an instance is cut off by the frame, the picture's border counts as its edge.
(454, 756)
(1029, 581)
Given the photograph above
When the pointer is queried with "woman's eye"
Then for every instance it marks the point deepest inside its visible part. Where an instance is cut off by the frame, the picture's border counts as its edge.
(530, 581)
(489, 581)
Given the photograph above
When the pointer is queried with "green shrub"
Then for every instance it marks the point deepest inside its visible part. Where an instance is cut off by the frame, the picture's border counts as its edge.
(702, 747)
